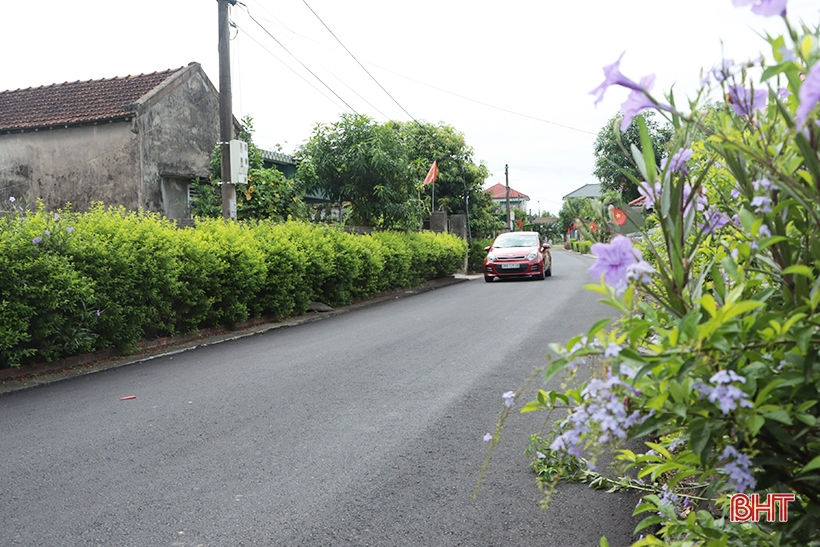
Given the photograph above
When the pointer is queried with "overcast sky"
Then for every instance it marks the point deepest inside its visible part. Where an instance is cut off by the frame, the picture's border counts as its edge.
(533, 61)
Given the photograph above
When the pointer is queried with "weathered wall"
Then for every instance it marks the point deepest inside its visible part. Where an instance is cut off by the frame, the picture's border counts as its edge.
(179, 126)
(76, 164)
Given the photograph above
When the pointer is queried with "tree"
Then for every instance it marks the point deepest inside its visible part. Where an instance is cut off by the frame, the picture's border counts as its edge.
(358, 161)
(613, 154)
(267, 195)
(460, 180)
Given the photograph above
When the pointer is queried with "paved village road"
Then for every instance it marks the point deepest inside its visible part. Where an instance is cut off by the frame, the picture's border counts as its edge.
(361, 429)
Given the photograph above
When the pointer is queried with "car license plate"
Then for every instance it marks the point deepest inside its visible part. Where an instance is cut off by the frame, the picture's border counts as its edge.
(509, 266)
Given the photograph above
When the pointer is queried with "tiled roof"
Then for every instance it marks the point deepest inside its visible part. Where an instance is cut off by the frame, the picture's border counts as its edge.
(74, 103)
(499, 191)
(277, 157)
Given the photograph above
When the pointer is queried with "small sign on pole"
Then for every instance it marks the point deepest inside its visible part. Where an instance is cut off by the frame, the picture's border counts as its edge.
(239, 162)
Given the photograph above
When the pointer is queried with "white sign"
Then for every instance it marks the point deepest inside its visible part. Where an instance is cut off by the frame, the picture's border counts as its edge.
(239, 162)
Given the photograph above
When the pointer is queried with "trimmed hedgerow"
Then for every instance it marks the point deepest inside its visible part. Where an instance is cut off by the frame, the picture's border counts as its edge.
(108, 278)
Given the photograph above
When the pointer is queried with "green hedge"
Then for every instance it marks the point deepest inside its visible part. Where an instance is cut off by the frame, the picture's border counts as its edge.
(75, 283)
(580, 246)
(476, 254)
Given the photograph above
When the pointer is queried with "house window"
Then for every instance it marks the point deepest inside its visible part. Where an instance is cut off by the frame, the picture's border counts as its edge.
(176, 197)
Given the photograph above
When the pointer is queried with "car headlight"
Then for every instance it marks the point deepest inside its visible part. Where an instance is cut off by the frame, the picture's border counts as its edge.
(491, 257)
(532, 255)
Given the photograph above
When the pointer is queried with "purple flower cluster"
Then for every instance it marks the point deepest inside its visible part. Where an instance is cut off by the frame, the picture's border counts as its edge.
(619, 263)
(745, 101)
(738, 469)
(715, 220)
(678, 161)
(650, 194)
(638, 99)
(509, 398)
(766, 8)
(723, 393)
(809, 95)
(602, 408)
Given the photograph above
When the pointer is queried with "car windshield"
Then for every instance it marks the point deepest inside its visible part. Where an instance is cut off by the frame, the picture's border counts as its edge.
(516, 240)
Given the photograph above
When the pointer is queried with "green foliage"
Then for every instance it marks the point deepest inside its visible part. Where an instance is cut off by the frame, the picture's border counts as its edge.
(476, 254)
(268, 194)
(364, 163)
(111, 278)
(613, 156)
(713, 360)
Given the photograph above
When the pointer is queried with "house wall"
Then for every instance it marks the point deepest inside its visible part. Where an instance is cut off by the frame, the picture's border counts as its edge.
(179, 128)
(79, 165)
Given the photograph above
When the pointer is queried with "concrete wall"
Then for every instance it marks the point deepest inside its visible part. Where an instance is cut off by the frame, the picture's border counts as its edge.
(76, 164)
(179, 127)
(146, 162)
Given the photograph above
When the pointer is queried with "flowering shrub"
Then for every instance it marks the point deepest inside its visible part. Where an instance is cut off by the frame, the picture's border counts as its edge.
(714, 359)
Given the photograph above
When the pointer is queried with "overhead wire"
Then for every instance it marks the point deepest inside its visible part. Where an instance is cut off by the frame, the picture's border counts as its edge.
(460, 96)
(260, 25)
(340, 80)
(362, 66)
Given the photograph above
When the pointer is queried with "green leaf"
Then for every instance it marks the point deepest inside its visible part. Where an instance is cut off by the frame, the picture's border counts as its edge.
(601, 323)
(799, 269)
(779, 416)
(604, 542)
(649, 521)
(755, 423)
(813, 464)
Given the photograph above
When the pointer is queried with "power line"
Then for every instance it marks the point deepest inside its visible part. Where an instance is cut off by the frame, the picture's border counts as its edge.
(360, 64)
(374, 107)
(272, 54)
(297, 59)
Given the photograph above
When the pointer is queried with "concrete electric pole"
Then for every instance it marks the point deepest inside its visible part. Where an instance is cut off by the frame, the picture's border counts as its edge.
(507, 176)
(226, 111)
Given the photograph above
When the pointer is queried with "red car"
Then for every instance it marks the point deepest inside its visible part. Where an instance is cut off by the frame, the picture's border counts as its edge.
(518, 254)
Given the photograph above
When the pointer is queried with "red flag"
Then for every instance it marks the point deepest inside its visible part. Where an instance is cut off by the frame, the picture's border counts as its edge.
(620, 216)
(520, 224)
(432, 174)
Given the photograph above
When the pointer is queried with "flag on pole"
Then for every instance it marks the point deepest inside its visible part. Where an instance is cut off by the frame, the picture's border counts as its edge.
(432, 174)
(620, 216)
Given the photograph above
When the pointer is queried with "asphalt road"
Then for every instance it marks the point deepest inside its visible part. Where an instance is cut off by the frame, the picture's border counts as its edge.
(361, 429)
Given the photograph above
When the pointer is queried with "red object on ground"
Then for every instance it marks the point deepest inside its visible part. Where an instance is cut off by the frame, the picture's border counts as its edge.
(128, 398)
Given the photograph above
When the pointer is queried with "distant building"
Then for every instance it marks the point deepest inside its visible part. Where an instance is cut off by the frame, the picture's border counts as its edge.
(518, 200)
(585, 191)
(136, 141)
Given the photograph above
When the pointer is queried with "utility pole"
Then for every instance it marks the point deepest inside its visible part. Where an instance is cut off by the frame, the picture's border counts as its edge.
(507, 176)
(226, 111)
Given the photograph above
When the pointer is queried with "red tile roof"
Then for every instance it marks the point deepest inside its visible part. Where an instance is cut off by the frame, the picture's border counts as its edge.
(74, 103)
(499, 191)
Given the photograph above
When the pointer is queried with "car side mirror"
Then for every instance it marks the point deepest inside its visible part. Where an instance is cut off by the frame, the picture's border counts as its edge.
(545, 246)
(486, 248)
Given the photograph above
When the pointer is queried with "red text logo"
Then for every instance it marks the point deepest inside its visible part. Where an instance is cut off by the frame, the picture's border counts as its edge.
(749, 507)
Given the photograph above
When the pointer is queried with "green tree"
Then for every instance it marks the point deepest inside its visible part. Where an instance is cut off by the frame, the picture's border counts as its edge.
(268, 193)
(613, 153)
(359, 161)
(460, 180)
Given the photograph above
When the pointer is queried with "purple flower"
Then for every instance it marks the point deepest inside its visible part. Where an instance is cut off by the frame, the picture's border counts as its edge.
(98, 313)
(638, 101)
(699, 200)
(509, 398)
(766, 8)
(783, 93)
(678, 161)
(69, 229)
(639, 271)
(613, 76)
(762, 204)
(809, 94)
(715, 220)
(37, 240)
(763, 184)
(722, 72)
(12, 199)
(612, 350)
(488, 438)
(650, 194)
(47, 233)
(727, 396)
(764, 231)
(56, 216)
(613, 260)
(738, 469)
(744, 101)
(726, 377)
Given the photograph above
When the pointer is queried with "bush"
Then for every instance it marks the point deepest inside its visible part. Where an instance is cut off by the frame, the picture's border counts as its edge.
(110, 278)
(476, 254)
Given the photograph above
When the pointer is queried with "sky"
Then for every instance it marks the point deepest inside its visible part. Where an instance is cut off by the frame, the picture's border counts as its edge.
(514, 77)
